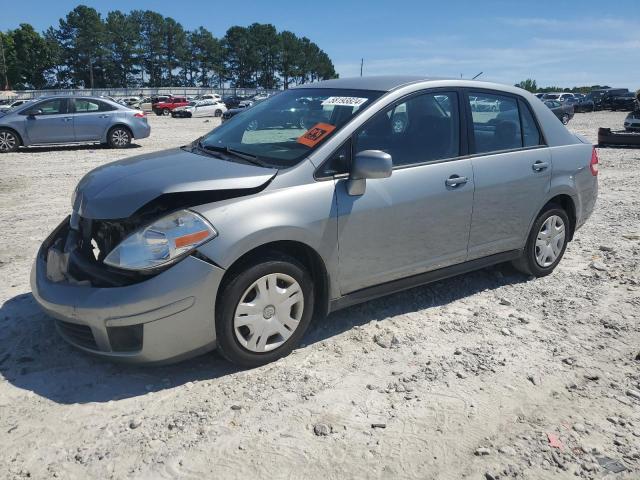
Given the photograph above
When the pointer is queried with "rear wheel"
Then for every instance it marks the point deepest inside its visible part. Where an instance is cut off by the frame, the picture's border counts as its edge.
(9, 141)
(166, 111)
(218, 113)
(119, 137)
(546, 243)
(565, 118)
(263, 311)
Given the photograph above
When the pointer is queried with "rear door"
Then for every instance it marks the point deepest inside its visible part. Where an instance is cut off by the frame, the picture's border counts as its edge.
(511, 171)
(91, 118)
(49, 122)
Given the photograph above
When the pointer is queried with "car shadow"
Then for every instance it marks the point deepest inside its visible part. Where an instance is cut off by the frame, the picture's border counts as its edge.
(415, 299)
(70, 148)
(33, 357)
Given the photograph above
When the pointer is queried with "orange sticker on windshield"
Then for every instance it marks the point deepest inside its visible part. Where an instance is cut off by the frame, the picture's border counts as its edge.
(316, 133)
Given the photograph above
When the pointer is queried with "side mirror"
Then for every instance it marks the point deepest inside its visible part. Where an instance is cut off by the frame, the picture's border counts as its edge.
(368, 164)
(34, 113)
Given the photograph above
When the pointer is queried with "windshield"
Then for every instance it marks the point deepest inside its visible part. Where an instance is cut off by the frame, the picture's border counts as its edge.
(283, 129)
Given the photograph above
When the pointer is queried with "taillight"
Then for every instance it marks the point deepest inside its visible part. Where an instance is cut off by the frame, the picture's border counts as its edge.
(593, 165)
(139, 114)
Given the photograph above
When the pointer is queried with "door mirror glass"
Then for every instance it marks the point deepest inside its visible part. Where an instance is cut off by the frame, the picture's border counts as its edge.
(35, 112)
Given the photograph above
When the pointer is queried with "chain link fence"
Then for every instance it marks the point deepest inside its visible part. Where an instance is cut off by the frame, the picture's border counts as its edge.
(132, 92)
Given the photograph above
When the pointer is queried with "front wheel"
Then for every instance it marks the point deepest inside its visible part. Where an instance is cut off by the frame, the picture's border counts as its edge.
(166, 112)
(546, 243)
(264, 310)
(565, 119)
(119, 137)
(218, 113)
(9, 141)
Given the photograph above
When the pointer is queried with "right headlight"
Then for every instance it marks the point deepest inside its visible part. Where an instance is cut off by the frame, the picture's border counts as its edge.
(163, 242)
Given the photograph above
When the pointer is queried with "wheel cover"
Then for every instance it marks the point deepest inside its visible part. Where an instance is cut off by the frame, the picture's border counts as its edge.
(8, 141)
(268, 313)
(550, 241)
(120, 137)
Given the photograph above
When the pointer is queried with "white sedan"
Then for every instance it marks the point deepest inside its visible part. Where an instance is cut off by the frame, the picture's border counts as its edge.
(200, 108)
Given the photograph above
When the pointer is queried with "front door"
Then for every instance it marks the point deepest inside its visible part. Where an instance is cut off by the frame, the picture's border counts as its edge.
(49, 122)
(418, 219)
(512, 173)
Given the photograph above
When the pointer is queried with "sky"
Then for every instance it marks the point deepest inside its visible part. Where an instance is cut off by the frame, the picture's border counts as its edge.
(561, 43)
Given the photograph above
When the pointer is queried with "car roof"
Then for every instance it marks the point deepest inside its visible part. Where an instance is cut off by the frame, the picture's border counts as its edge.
(380, 83)
(387, 83)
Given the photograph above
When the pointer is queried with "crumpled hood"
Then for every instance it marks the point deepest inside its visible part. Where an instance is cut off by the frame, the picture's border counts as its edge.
(119, 189)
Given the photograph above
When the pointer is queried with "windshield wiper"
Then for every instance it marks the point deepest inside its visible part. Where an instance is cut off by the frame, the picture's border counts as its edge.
(243, 155)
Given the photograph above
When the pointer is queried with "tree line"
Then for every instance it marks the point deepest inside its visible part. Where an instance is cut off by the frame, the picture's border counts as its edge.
(144, 48)
(532, 86)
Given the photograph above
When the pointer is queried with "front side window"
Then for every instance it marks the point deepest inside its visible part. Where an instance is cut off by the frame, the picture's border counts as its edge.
(49, 107)
(285, 128)
(421, 129)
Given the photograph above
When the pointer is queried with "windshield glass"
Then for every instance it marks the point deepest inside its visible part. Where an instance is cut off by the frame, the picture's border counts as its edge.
(285, 128)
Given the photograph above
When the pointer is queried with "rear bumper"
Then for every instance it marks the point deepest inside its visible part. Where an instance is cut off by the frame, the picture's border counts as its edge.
(141, 130)
(165, 318)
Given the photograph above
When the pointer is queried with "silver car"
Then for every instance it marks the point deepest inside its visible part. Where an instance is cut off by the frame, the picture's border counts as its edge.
(240, 239)
(62, 120)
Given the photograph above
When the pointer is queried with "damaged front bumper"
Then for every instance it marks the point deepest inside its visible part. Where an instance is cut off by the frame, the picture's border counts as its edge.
(163, 318)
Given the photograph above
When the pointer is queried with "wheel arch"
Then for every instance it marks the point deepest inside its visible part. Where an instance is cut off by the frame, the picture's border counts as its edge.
(299, 251)
(15, 132)
(568, 205)
(111, 127)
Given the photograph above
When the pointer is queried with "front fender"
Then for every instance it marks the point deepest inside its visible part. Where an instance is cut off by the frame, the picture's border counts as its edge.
(304, 213)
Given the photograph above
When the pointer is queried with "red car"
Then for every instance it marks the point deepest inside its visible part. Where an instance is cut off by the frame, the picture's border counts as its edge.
(164, 108)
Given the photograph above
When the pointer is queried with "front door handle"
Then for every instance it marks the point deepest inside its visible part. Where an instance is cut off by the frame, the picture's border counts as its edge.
(67, 119)
(104, 116)
(540, 166)
(455, 181)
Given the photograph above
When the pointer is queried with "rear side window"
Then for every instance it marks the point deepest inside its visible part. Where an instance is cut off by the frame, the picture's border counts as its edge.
(86, 105)
(530, 133)
(501, 123)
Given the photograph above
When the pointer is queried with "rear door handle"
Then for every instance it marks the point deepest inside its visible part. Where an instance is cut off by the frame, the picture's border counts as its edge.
(104, 116)
(540, 166)
(67, 119)
(455, 181)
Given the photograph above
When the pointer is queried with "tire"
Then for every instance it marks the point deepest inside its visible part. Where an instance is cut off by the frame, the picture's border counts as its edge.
(565, 119)
(239, 340)
(217, 113)
(166, 111)
(530, 263)
(9, 141)
(119, 137)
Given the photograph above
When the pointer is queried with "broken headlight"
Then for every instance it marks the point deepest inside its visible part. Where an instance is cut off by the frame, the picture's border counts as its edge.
(163, 242)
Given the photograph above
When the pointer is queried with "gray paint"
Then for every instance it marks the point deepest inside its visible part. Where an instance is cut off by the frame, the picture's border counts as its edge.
(407, 224)
(118, 189)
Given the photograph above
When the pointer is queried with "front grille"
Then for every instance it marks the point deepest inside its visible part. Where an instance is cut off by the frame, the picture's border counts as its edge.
(78, 334)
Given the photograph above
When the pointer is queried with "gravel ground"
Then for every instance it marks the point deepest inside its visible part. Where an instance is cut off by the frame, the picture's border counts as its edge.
(490, 375)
